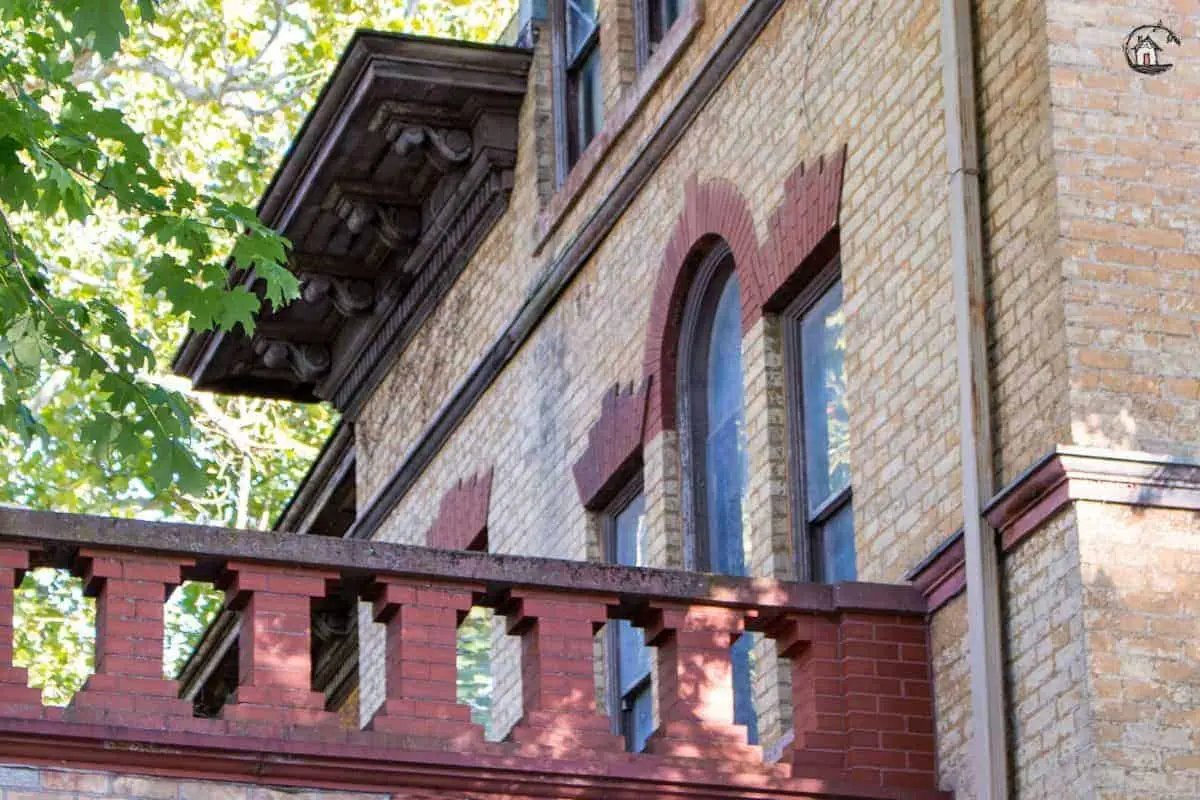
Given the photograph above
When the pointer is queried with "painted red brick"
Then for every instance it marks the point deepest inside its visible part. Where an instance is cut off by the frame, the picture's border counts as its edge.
(421, 668)
(558, 678)
(130, 592)
(274, 648)
(614, 447)
(462, 518)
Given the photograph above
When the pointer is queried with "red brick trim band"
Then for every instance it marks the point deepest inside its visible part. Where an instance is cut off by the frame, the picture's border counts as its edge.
(770, 274)
(1061, 477)
(614, 448)
(349, 766)
(462, 518)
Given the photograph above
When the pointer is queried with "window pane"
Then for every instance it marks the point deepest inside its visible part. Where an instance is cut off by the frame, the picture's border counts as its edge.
(589, 109)
(639, 717)
(826, 424)
(742, 655)
(581, 20)
(633, 657)
(725, 452)
(837, 544)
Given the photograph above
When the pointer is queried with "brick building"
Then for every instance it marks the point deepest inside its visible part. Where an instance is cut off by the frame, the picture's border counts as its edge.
(885, 312)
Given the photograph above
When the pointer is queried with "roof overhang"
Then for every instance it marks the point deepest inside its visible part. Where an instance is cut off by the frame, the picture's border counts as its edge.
(398, 173)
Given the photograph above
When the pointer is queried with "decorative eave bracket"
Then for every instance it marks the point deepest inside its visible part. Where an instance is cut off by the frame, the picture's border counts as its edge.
(400, 170)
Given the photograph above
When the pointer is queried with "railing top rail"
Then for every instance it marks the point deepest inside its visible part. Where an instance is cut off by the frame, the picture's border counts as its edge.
(211, 547)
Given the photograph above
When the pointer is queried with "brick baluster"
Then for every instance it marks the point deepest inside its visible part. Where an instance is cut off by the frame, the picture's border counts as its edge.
(861, 698)
(274, 646)
(17, 699)
(558, 672)
(695, 683)
(421, 657)
(128, 687)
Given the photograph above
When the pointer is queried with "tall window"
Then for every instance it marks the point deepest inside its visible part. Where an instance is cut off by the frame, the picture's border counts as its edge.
(582, 103)
(654, 19)
(713, 439)
(820, 438)
(631, 697)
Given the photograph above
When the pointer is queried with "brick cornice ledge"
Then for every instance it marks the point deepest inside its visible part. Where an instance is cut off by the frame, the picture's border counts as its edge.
(1063, 476)
(341, 766)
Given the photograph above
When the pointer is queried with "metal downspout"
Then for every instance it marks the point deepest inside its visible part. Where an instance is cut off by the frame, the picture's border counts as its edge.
(970, 316)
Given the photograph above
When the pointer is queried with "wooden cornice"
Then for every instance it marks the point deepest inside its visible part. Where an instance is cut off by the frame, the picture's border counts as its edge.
(398, 173)
(1059, 478)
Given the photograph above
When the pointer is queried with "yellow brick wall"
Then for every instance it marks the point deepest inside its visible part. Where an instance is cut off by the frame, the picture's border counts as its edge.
(1129, 214)
(810, 84)
(1141, 615)
(45, 783)
(1049, 720)
(1026, 316)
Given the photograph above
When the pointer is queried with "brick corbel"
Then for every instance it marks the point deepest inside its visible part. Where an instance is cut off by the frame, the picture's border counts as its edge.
(614, 448)
(462, 518)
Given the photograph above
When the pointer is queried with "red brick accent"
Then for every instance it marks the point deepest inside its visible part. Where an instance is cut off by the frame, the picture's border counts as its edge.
(558, 677)
(695, 683)
(274, 648)
(800, 241)
(800, 235)
(128, 683)
(862, 698)
(421, 622)
(714, 210)
(16, 698)
(462, 518)
(614, 447)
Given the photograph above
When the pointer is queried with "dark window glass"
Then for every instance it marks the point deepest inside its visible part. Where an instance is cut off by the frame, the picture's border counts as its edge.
(822, 434)
(714, 438)
(584, 102)
(661, 15)
(725, 451)
(631, 658)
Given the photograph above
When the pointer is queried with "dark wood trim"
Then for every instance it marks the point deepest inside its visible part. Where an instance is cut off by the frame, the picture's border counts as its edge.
(1056, 480)
(339, 766)
(558, 276)
(558, 90)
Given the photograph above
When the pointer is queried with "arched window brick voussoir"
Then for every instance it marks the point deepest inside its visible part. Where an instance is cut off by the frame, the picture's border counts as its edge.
(717, 210)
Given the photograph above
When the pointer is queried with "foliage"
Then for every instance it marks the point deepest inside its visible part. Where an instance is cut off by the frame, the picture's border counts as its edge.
(133, 137)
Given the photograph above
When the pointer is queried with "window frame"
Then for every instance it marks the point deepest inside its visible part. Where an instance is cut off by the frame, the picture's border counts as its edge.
(710, 276)
(568, 148)
(619, 714)
(808, 545)
(644, 12)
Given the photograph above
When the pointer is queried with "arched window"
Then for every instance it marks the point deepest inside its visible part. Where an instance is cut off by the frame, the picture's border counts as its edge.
(712, 438)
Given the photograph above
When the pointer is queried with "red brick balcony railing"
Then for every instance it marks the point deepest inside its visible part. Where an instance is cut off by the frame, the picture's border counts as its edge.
(861, 686)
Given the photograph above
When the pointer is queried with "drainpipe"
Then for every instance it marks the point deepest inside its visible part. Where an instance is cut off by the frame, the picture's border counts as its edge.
(975, 434)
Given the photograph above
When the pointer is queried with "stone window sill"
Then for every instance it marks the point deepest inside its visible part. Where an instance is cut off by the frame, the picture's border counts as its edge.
(619, 118)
